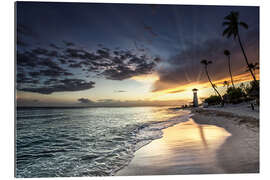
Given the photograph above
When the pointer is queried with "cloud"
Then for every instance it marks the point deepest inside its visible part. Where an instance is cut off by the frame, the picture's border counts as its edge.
(185, 68)
(176, 91)
(121, 72)
(61, 86)
(119, 91)
(85, 101)
(106, 100)
(54, 46)
(37, 66)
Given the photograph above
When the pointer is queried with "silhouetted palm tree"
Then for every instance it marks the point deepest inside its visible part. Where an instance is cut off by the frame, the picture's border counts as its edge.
(227, 53)
(232, 24)
(226, 83)
(206, 63)
(254, 66)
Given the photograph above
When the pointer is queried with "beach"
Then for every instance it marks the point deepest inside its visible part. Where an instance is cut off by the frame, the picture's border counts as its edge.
(213, 141)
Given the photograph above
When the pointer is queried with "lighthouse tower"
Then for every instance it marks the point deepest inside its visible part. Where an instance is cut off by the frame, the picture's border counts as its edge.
(195, 97)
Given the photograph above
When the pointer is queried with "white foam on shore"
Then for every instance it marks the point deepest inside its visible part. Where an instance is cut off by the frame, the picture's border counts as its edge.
(152, 131)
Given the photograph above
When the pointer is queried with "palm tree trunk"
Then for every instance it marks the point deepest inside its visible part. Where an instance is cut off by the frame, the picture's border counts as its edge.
(206, 70)
(229, 63)
(250, 70)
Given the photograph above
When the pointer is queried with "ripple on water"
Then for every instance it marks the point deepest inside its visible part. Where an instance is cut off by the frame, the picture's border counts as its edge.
(87, 141)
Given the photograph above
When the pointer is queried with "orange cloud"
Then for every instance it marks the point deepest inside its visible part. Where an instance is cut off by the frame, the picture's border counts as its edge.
(185, 91)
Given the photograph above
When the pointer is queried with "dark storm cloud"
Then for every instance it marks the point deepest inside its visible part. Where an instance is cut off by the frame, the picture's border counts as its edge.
(51, 64)
(85, 101)
(45, 52)
(51, 81)
(116, 65)
(103, 53)
(185, 67)
(23, 79)
(26, 59)
(122, 72)
(127, 65)
(62, 86)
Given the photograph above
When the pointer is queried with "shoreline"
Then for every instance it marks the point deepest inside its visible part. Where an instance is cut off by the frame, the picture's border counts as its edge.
(242, 148)
(238, 153)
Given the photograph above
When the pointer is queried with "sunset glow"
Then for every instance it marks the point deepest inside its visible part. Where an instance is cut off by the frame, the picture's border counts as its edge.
(140, 60)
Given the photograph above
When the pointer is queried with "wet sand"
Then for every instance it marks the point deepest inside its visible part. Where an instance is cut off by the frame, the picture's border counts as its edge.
(209, 143)
(240, 152)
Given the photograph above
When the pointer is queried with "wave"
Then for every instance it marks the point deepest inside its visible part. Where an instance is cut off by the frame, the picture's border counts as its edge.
(92, 142)
(148, 132)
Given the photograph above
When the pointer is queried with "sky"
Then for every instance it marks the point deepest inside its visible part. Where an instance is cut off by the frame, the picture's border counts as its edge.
(91, 54)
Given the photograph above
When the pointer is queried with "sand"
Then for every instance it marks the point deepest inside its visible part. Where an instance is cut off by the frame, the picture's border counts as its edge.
(240, 152)
(213, 141)
(242, 109)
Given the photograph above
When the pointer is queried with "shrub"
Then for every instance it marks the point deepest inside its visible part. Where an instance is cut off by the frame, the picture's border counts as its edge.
(252, 90)
(235, 95)
(213, 100)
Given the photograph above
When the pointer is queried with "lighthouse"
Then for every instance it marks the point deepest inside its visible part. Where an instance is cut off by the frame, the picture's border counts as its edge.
(195, 97)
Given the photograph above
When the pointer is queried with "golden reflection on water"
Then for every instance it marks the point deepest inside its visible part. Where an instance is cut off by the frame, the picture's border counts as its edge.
(188, 147)
(192, 136)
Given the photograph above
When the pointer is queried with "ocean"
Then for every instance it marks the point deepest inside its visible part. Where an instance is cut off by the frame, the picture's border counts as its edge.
(98, 141)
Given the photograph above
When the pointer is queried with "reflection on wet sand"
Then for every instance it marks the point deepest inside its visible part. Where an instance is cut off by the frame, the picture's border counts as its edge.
(186, 148)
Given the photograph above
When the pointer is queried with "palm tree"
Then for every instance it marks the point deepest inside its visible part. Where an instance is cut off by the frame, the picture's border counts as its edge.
(227, 53)
(226, 83)
(206, 63)
(215, 86)
(254, 66)
(232, 24)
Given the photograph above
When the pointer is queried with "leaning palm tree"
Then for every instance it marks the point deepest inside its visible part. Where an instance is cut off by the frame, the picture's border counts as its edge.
(206, 63)
(227, 53)
(215, 86)
(232, 24)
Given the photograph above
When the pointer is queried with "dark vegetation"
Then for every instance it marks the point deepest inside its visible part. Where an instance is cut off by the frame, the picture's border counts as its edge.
(233, 94)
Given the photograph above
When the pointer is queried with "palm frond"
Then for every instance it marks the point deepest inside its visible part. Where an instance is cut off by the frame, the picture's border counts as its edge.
(228, 17)
(226, 31)
(229, 34)
(225, 23)
(243, 24)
